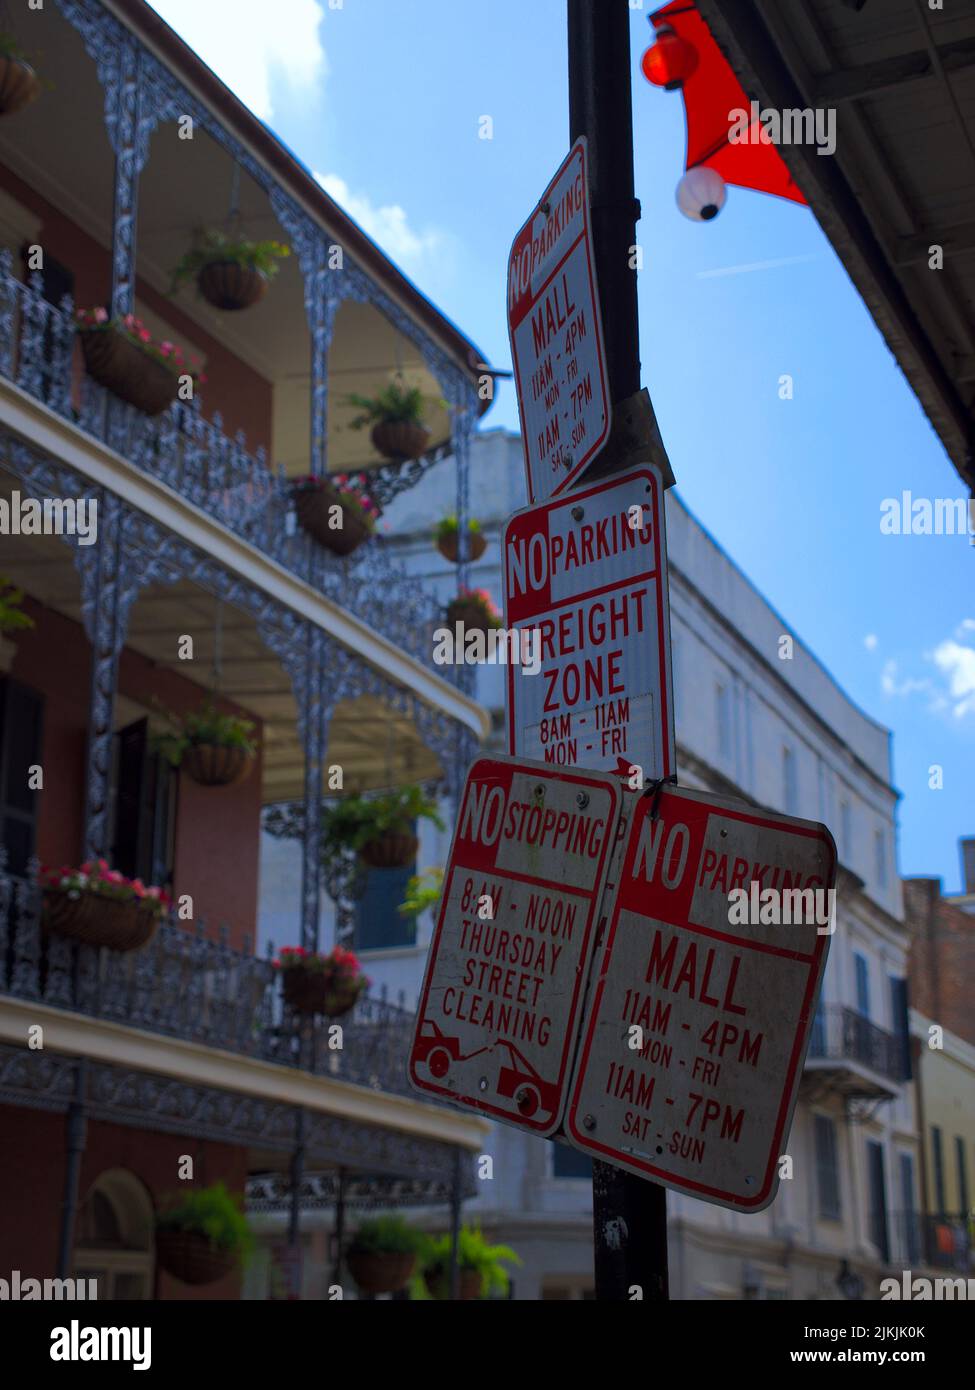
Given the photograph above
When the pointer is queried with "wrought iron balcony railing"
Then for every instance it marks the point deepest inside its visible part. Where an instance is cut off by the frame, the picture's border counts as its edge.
(841, 1034)
(215, 472)
(186, 985)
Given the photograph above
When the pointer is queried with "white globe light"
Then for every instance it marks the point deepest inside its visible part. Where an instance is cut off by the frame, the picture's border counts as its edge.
(701, 194)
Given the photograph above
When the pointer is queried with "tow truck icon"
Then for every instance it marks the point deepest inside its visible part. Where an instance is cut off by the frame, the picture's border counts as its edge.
(535, 1098)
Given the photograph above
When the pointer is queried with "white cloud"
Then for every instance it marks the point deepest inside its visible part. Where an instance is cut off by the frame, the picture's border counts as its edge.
(870, 641)
(957, 663)
(953, 690)
(388, 226)
(246, 42)
(751, 266)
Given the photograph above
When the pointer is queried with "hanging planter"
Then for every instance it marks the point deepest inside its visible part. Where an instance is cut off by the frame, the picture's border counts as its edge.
(481, 1269)
(96, 906)
(475, 609)
(382, 1256)
(214, 749)
(121, 356)
(337, 511)
(19, 83)
(203, 1237)
(380, 828)
(313, 983)
(231, 272)
(396, 417)
(447, 537)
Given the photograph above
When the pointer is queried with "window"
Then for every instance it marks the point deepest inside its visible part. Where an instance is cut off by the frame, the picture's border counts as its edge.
(938, 1158)
(790, 785)
(827, 1168)
(912, 1234)
(379, 923)
(570, 1163)
(862, 984)
(144, 812)
(722, 704)
(846, 832)
(21, 712)
(880, 857)
(114, 1237)
(960, 1160)
(878, 1199)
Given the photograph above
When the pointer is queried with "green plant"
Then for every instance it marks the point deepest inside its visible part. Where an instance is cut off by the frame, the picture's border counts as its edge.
(211, 245)
(10, 48)
(12, 616)
(395, 404)
(473, 1252)
(210, 1212)
(422, 891)
(448, 527)
(356, 820)
(206, 725)
(96, 878)
(386, 1235)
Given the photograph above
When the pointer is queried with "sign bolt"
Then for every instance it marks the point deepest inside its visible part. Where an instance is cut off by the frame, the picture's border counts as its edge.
(483, 1084)
(589, 1122)
(582, 800)
(577, 513)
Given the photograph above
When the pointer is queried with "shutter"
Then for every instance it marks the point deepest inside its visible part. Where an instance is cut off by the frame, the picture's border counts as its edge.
(379, 924)
(902, 1023)
(21, 725)
(827, 1175)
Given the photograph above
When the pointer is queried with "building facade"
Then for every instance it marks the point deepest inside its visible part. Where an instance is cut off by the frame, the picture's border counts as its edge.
(130, 1076)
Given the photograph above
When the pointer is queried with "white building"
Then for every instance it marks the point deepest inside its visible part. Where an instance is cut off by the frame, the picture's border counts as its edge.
(758, 718)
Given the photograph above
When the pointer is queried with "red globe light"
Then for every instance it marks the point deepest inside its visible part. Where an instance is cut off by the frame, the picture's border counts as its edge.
(670, 61)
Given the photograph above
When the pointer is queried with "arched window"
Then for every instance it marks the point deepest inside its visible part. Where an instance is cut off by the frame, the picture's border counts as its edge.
(113, 1241)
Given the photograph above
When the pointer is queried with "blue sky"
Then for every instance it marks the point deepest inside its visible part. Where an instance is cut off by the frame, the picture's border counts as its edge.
(383, 99)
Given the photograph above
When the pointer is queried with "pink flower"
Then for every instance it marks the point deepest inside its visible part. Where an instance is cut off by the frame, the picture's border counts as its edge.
(101, 316)
(144, 335)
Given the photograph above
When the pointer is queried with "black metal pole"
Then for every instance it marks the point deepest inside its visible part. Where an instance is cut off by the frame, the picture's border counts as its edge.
(294, 1212)
(339, 1228)
(629, 1214)
(454, 1273)
(77, 1133)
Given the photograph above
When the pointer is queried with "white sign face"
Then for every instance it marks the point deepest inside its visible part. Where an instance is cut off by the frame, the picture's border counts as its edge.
(556, 334)
(705, 995)
(499, 1016)
(586, 575)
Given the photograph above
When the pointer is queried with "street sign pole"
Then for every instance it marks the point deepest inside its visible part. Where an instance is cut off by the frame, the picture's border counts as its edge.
(629, 1214)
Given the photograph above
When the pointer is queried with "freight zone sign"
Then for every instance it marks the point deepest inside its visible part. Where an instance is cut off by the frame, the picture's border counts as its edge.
(556, 334)
(501, 1008)
(586, 576)
(694, 1044)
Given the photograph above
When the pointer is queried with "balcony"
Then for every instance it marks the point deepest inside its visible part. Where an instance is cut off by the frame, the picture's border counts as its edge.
(853, 1056)
(187, 985)
(214, 472)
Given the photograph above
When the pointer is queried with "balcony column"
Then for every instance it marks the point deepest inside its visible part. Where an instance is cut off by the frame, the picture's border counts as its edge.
(107, 592)
(321, 303)
(313, 718)
(129, 127)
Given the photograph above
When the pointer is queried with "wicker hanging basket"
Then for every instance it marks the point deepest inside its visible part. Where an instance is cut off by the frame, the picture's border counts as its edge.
(19, 85)
(449, 545)
(381, 1272)
(437, 1280)
(189, 1257)
(315, 992)
(117, 363)
(469, 612)
(391, 850)
(313, 506)
(94, 920)
(229, 285)
(400, 441)
(216, 765)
